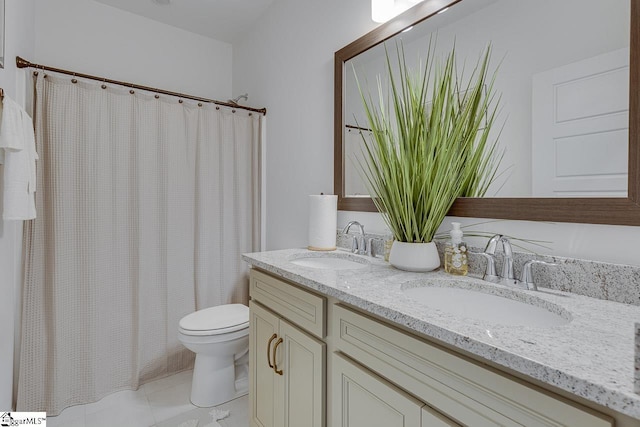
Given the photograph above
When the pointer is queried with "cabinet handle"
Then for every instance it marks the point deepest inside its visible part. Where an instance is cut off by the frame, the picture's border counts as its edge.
(275, 365)
(273, 337)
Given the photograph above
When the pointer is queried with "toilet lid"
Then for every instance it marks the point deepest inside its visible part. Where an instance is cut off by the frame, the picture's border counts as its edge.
(219, 320)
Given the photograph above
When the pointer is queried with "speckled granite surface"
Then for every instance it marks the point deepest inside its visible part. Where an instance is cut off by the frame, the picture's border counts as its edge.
(592, 356)
(637, 361)
(613, 282)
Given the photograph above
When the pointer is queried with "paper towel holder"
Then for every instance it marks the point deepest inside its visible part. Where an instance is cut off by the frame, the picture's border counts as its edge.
(323, 211)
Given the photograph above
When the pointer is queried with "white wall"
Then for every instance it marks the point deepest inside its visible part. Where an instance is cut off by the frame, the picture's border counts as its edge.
(90, 37)
(286, 63)
(19, 40)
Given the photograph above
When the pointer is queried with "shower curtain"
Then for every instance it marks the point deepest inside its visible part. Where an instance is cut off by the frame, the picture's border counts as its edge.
(145, 204)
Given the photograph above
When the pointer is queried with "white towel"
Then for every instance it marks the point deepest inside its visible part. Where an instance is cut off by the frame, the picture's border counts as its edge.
(17, 141)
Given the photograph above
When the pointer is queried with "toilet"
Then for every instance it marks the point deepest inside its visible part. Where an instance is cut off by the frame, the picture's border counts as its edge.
(219, 336)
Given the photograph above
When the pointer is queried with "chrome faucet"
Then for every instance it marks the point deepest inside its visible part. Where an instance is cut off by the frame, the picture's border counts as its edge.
(526, 278)
(508, 277)
(507, 266)
(358, 244)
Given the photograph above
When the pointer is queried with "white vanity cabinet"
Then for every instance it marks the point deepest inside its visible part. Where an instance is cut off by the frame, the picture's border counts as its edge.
(287, 364)
(379, 375)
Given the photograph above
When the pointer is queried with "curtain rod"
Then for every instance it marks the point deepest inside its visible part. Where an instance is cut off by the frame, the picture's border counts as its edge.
(357, 128)
(23, 63)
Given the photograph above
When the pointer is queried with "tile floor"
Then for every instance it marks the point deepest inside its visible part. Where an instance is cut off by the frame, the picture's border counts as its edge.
(161, 403)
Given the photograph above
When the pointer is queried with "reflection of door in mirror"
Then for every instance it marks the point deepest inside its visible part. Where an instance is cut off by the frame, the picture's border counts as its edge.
(529, 39)
(580, 128)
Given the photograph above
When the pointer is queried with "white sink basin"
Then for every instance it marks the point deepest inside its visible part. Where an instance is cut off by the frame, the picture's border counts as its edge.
(493, 305)
(329, 261)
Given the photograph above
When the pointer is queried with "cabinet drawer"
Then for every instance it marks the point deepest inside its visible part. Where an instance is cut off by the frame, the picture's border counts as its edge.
(463, 390)
(301, 307)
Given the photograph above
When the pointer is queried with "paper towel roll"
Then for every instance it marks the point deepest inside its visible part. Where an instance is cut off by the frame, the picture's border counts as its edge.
(323, 222)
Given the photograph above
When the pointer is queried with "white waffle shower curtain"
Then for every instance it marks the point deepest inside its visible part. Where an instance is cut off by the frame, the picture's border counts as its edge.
(144, 207)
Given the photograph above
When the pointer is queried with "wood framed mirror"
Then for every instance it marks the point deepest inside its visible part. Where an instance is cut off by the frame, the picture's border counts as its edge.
(594, 210)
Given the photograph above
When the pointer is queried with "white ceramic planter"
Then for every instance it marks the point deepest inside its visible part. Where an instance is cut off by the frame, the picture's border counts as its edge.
(414, 256)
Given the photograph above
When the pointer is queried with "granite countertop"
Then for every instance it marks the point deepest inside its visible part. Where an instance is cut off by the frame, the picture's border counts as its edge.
(592, 356)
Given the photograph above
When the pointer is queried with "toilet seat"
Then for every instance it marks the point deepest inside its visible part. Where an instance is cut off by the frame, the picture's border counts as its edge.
(222, 319)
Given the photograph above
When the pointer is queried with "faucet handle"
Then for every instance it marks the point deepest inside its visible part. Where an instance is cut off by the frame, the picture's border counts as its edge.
(526, 278)
(363, 248)
(507, 265)
(370, 247)
(490, 273)
(354, 245)
(492, 243)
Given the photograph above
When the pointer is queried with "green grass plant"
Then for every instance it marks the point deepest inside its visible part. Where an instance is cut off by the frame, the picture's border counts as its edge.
(430, 141)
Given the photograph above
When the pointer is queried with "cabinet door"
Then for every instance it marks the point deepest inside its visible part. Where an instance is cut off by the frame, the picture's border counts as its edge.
(361, 399)
(302, 383)
(262, 379)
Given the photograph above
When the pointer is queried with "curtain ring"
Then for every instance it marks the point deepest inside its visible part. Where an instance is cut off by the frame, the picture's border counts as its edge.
(199, 104)
(131, 91)
(74, 80)
(104, 86)
(157, 96)
(250, 114)
(217, 108)
(180, 101)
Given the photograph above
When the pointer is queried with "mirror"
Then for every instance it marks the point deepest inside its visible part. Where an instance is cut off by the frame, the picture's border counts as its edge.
(568, 85)
(1, 33)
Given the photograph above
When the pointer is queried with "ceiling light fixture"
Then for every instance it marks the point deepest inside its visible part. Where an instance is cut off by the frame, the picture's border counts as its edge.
(384, 10)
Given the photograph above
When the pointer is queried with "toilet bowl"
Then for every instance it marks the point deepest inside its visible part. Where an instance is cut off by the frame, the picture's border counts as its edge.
(219, 336)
